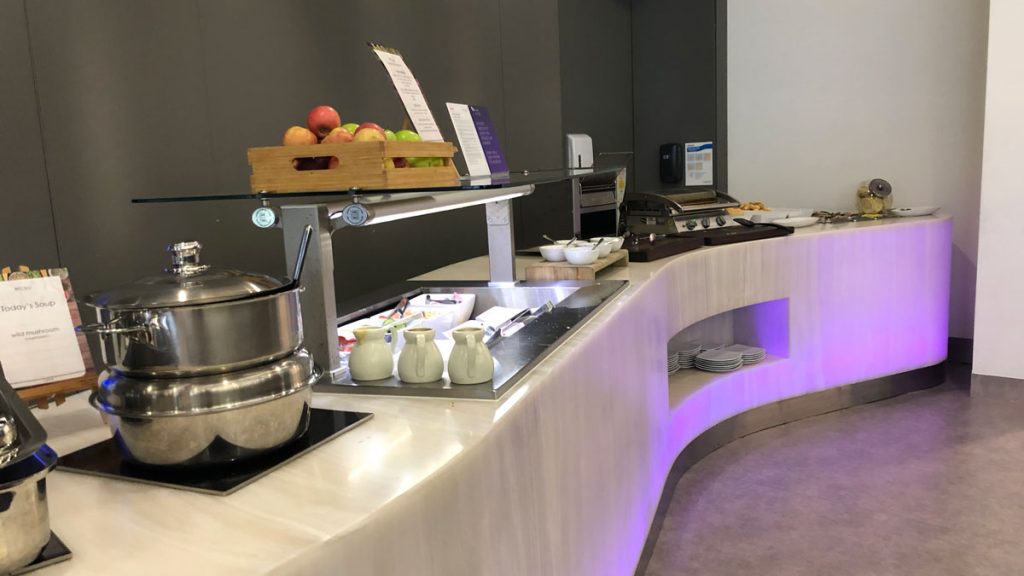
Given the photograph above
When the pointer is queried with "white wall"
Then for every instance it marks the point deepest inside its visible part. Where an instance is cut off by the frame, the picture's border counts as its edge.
(998, 335)
(826, 93)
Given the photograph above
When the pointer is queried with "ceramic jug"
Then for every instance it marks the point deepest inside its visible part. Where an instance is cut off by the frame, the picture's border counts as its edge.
(371, 357)
(471, 361)
(420, 360)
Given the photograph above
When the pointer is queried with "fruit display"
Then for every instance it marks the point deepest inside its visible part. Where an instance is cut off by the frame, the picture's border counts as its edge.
(323, 126)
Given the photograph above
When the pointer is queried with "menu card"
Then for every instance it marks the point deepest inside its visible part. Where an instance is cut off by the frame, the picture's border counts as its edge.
(700, 166)
(409, 91)
(37, 337)
(477, 139)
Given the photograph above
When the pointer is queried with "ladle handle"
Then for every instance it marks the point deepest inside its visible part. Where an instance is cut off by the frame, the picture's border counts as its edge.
(300, 259)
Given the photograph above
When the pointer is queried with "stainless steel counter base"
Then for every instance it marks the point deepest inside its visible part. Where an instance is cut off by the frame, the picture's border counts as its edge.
(514, 355)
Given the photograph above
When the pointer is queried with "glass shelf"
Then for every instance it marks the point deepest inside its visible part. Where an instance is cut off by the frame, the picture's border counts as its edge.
(523, 178)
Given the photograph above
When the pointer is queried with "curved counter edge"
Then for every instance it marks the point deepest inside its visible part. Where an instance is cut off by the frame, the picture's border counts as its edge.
(777, 414)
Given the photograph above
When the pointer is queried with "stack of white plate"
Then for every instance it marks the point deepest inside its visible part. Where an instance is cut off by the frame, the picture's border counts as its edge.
(719, 360)
(673, 362)
(688, 352)
(751, 354)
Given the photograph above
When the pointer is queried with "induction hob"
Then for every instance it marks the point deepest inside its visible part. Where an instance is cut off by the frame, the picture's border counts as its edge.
(54, 552)
(105, 459)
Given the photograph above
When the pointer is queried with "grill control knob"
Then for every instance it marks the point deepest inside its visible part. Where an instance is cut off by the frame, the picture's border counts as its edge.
(691, 224)
(720, 220)
(705, 222)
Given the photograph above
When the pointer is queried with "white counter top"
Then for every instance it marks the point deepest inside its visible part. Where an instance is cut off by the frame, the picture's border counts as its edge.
(564, 474)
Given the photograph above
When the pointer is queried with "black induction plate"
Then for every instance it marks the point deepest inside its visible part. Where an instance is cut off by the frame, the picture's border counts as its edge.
(734, 234)
(105, 459)
(54, 552)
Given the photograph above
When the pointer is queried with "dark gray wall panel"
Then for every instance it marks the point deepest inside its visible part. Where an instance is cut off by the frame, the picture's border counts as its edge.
(26, 225)
(122, 99)
(674, 74)
(531, 76)
(595, 37)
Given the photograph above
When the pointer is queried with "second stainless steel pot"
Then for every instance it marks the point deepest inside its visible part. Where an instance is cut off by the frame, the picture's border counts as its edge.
(24, 514)
(196, 320)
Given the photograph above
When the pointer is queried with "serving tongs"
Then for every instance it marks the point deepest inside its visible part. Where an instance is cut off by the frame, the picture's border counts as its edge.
(20, 433)
(515, 323)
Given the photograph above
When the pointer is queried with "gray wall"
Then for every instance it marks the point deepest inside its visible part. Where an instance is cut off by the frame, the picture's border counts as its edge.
(676, 87)
(595, 40)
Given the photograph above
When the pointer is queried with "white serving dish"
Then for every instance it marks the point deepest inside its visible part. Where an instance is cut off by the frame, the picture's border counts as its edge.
(614, 241)
(800, 222)
(581, 255)
(553, 252)
(915, 211)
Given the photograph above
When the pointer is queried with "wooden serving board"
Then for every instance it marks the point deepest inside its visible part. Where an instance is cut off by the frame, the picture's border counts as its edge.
(552, 271)
(40, 396)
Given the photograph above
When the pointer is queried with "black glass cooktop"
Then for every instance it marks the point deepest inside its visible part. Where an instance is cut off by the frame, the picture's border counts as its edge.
(105, 459)
(55, 551)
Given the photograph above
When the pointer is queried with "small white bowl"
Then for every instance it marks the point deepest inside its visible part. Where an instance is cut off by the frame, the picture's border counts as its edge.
(553, 253)
(581, 255)
(614, 241)
(604, 249)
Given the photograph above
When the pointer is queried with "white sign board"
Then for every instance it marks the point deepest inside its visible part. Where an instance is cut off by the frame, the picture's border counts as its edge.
(37, 338)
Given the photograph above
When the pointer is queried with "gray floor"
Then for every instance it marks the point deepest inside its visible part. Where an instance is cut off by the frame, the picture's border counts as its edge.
(927, 483)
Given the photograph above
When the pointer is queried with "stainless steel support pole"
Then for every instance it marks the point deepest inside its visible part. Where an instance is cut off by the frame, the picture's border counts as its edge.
(501, 242)
(319, 309)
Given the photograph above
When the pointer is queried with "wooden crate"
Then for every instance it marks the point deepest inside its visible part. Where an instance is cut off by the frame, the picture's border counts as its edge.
(360, 165)
(552, 271)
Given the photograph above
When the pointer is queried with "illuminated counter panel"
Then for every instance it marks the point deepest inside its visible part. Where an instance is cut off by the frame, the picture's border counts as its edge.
(564, 475)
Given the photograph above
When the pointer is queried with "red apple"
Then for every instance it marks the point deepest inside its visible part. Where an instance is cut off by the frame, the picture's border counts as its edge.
(401, 163)
(322, 119)
(337, 136)
(318, 163)
(298, 136)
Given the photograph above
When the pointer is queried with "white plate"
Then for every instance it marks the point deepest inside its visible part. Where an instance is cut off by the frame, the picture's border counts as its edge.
(800, 222)
(915, 211)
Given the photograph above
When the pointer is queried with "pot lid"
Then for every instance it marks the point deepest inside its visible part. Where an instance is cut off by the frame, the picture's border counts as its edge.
(185, 283)
(42, 460)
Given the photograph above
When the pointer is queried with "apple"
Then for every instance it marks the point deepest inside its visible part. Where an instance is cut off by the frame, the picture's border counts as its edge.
(337, 136)
(390, 135)
(389, 164)
(322, 119)
(367, 125)
(298, 136)
(351, 127)
(369, 135)
(401, 163)
(437, 162)
(407, 136)
(318, 163)
(419, 162)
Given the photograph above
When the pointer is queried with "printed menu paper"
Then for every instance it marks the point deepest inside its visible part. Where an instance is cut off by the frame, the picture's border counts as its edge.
(409, 91)
(700, 164)
(477, 140)
(37, 338)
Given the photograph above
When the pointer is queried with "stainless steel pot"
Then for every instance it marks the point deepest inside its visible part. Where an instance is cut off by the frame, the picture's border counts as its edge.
(196, 320)
(208, 419)
(24, 516)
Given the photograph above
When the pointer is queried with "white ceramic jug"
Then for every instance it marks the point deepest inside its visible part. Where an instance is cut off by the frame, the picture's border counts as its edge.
(371, 357)
(471, 362)
(420, 360)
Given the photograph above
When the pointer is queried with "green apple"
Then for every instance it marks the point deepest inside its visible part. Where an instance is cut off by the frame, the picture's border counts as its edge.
(390, 135)
(407, 136)
(419, 162)
(437, 162)
(351, 127)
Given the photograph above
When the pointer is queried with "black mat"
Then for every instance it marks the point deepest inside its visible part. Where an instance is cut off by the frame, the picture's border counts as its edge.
(105, 459)
(54, 552)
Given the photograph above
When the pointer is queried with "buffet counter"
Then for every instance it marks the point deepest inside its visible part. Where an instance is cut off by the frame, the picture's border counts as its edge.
(564, 474)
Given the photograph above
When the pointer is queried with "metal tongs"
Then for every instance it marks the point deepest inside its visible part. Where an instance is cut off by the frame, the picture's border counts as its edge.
(515, 323)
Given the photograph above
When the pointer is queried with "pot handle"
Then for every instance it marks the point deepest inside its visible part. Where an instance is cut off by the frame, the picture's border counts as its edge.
(109, 329)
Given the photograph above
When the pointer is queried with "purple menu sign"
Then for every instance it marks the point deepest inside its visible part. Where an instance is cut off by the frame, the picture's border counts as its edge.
(488, 139)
